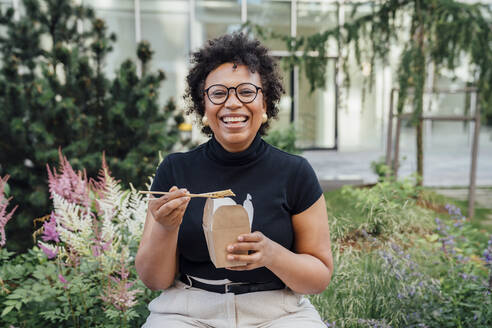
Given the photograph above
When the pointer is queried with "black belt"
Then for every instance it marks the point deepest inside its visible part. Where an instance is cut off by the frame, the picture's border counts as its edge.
(232, 287)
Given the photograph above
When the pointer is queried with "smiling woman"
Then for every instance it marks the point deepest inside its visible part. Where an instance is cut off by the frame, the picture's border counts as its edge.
(234, 118)
(234, 87)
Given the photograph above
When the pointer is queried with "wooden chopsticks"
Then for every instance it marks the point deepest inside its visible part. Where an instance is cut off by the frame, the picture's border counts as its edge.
(214, 194)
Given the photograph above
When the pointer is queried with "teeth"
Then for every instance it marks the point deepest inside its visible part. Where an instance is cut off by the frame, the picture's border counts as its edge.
(229, 119)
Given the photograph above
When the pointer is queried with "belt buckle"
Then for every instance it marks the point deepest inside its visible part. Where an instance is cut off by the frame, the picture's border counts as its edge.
(226, 286)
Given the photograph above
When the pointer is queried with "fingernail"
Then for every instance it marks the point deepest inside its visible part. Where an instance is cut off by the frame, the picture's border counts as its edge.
(230, 257)
(240, 238)
(230, 248)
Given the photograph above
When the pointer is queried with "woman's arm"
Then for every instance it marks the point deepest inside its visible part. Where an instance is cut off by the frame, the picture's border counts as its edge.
(309, 269)
(156, 260)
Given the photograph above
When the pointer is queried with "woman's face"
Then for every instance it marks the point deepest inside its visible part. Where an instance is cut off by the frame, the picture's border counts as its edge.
(234, 123)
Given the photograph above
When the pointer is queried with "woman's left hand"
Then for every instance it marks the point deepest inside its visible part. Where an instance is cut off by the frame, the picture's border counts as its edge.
(261, 251)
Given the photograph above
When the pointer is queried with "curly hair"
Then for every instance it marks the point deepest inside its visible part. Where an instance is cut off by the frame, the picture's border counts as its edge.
(234, 48)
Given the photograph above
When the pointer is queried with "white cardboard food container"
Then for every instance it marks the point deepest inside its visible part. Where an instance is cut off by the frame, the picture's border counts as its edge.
(223, 222)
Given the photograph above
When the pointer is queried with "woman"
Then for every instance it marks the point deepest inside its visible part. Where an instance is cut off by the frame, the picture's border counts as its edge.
(234, 87)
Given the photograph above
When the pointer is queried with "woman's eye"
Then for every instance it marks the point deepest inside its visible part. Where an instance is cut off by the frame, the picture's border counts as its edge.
(246, 92)
(218, 94)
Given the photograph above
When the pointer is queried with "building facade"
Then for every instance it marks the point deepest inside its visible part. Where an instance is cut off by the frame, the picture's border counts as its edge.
(331, 118)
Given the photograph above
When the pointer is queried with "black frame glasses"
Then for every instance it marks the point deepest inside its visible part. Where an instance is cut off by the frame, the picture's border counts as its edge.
(238, 94)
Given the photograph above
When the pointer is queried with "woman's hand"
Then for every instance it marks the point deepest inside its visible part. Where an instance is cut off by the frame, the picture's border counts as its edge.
(168, 210)
(261, 251)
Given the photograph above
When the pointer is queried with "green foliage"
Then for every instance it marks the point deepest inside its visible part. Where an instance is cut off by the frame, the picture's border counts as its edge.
(284, 139)
(380, 168)
(432, 277)
(388, 209)
(54, 94)
(89, 278)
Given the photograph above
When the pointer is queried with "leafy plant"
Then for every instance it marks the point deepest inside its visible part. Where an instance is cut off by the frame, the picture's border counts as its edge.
(54, 94)
(439, 278)
(81, 273)
(387, 209)
(284, 139)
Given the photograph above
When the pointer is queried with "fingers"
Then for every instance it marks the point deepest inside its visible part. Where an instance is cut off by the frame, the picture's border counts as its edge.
(245, 258)
(176, 204)
(251, 237)
(242, 247)
(169, 209)
(254, 245)
(156, 203)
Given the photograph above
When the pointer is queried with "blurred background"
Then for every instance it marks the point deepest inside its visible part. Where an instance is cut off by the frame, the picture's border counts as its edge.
(84, 77)
(348, 124)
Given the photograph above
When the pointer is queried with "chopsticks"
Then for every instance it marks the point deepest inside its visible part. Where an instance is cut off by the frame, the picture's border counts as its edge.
(214, 194)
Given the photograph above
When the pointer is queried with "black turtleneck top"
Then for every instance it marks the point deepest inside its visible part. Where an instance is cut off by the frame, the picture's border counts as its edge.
(279, 185)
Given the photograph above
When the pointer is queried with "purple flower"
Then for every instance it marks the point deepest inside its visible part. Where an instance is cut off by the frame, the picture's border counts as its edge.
(49, 252)
(49, 230)
(4, 216)
(96, 251)
(118, 291)
(72, 186)
(63, 281)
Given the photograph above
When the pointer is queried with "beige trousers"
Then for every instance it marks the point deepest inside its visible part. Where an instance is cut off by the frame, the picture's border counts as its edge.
(182, 307)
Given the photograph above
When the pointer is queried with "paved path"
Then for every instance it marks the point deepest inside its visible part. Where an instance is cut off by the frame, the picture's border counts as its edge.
(447, 162)
(483, 196)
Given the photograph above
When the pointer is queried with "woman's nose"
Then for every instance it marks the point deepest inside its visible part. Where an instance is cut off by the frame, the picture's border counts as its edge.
(233, 101)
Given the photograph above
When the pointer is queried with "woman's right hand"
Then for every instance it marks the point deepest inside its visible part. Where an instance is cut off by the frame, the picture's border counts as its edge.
(168, 210)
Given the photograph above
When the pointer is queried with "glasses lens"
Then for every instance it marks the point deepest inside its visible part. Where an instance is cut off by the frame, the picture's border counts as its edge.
(246, 92)
(217, 94)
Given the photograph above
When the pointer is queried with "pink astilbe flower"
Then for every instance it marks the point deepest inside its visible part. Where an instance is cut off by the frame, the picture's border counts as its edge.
(50, 253)
(63, 280)
(4, 216)
(118, 293)
(49, 230)
(72, 186)
(100, 245)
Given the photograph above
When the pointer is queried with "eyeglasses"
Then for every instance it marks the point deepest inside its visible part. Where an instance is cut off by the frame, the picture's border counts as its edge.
(245, 92)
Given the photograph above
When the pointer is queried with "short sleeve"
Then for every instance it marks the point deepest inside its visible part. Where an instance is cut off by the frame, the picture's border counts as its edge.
(305, 189)
(163, 177)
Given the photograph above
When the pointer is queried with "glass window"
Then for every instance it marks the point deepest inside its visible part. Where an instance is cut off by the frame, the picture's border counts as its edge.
(215, 18)
(165, 24)
(315, 120)
(271, 15)
(119, 16)
(285, 104)
(316, 17)
(316, 116)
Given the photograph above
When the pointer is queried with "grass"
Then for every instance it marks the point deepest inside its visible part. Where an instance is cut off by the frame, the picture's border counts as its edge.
(365, 223)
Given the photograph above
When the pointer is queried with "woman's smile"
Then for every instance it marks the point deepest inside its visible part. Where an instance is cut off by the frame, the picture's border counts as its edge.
(234, 121)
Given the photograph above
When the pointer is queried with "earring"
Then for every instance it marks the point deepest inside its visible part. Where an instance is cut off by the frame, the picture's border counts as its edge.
(205, 120)
(264, 118)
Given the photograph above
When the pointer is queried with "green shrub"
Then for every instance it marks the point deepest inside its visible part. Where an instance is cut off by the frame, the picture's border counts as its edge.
(284, 139)
(387, 209)
(81, 273)
(59, 97)
(439, 276)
